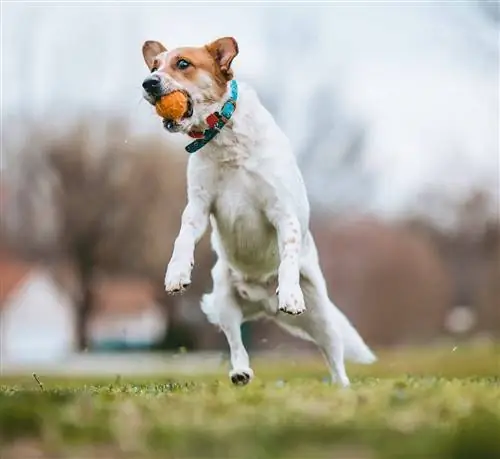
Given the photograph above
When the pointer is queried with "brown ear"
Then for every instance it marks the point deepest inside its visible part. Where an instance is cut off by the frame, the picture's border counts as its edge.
(151, 49)
(224, 50)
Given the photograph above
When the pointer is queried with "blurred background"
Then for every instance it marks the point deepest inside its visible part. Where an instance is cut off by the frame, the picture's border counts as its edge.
(393, 110)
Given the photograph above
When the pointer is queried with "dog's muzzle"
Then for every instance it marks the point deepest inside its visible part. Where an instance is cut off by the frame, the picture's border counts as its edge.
(155, 90)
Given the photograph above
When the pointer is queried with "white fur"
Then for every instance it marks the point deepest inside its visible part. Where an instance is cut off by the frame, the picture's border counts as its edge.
(247, 184)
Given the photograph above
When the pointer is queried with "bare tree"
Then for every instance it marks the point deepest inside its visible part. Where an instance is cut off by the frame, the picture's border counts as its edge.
(111, 203)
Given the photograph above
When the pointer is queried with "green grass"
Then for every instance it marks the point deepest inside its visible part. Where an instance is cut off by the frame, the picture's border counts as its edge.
(422, 403)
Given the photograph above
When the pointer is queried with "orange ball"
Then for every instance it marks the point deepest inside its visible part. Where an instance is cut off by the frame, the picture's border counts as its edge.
(173, 106)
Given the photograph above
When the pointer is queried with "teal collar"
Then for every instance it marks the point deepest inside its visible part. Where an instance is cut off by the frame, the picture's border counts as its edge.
(216, 121)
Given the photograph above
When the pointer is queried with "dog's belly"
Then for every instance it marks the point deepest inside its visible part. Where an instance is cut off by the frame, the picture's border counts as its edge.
(247, 238)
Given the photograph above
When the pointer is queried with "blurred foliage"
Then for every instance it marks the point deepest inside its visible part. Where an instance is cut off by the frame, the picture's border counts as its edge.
(100, 199)
(114, 198)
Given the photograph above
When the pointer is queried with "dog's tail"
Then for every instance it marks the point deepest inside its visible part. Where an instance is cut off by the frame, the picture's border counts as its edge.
(355, 349)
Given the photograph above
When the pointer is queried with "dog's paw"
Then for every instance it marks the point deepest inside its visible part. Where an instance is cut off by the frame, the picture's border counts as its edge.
(177, 279)
(341, 382)
(241, 376)
(291, 300)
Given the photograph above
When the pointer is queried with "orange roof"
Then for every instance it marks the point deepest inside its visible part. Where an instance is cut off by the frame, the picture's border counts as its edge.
(12, 272)
(122, 295)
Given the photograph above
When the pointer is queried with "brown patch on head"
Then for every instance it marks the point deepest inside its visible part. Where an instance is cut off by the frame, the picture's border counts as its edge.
(150, 51)
(208, 66)
(201, 66)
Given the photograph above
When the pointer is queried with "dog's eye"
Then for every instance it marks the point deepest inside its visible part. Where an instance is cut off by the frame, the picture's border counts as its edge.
(153, 69)
(183, 64)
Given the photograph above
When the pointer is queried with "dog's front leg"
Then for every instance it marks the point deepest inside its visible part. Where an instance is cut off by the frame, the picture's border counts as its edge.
(193, 225)
(290, 297)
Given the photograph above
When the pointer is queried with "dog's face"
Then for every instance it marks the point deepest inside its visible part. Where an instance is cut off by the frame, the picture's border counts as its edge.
(201, 73)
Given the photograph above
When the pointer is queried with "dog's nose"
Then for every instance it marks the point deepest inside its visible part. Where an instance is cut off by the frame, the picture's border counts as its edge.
(152, 83)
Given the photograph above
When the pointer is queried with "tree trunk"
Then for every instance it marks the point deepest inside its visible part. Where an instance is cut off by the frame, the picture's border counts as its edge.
(85, 305)
(84, 309)
(178, 334)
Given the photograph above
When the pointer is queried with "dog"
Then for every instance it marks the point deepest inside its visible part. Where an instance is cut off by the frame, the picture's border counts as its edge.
(243, 178)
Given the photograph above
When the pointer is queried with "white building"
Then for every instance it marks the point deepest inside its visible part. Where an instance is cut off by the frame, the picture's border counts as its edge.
(36, 318)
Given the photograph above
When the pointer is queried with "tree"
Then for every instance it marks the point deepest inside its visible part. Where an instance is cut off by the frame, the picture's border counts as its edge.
(109, 205)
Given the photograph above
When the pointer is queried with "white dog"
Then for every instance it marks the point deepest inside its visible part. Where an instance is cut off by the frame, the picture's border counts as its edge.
(243, 178)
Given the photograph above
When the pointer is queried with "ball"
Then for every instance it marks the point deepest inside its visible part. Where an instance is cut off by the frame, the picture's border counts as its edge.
(173, 106)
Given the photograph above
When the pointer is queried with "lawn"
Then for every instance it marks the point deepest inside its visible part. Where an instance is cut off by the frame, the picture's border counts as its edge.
(434, 403)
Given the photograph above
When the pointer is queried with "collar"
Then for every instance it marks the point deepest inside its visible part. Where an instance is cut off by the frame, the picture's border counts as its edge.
(216, 121)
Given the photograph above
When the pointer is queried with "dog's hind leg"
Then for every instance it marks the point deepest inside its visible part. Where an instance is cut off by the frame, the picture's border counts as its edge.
(320, 326)
(326, 333)
(329, 328)
(324, 323)
(221, 308)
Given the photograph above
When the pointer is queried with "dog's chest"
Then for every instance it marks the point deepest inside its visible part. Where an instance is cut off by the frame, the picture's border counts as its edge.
(247, 236)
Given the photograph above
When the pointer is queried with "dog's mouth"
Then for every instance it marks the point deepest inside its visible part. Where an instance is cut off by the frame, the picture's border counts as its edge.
(174, 125)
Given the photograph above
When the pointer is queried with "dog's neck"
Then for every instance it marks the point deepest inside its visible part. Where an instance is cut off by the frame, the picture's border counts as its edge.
(210, 109)
(245, 130)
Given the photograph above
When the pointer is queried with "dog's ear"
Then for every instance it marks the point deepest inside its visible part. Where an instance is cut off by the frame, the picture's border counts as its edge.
(151, 49)
(224, 50)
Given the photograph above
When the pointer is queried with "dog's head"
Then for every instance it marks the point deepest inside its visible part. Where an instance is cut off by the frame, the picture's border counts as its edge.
(201, 73)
